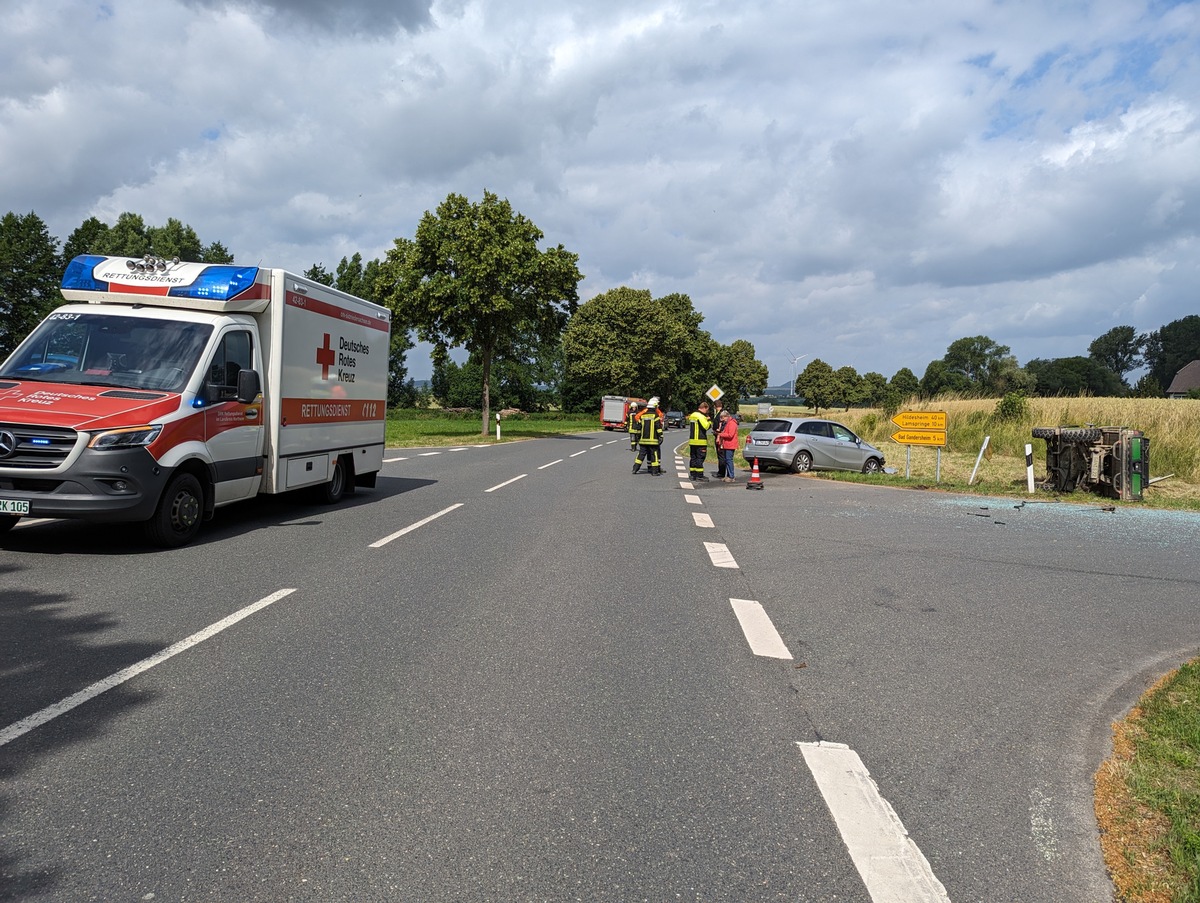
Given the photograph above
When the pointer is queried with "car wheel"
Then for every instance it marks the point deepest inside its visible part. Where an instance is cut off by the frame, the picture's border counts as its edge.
(872, 465)
(802, 463)
(176, 521)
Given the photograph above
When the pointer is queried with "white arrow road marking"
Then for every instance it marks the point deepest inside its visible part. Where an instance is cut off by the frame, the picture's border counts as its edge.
(760, 633)
(892, 867)
(37, 719)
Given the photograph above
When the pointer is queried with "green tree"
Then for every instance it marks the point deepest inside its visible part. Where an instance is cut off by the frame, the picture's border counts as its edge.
(904, 384)
(743, 375)
(986, 366)
(851, 389)
(30, 274)
(87, 238)
(1147, 387)
(474, 276)
(1172, 347)
(215, 252)
(819, 385)
(621, 342)
(1119, 349)
(1075, 375)
(939, 378)
(127, 238)
(875, 388)
(174, 240)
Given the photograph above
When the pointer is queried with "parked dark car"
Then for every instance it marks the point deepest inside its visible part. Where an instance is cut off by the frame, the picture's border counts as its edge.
(810, 443)
(674, 419)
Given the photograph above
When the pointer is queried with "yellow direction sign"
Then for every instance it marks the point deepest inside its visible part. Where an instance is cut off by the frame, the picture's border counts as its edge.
(922, 420)
(919, 437)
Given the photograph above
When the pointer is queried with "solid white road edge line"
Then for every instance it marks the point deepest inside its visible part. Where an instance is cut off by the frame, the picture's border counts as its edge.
(37, 719)
(719, 553)
(702, 519)
(892, 867)
(379, 543)
(506, 483)
(760, 633)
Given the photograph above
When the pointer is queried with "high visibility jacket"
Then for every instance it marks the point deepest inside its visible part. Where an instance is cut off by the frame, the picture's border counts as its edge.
(700, 427)
(631, 422)
(651, 427)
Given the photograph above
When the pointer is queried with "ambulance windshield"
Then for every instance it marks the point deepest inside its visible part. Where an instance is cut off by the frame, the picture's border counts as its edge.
(100, 350)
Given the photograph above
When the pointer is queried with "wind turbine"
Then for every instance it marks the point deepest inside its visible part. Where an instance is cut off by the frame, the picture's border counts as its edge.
(795, 360)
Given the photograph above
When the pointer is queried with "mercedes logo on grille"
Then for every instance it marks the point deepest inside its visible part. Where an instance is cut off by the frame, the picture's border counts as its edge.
(8, 443)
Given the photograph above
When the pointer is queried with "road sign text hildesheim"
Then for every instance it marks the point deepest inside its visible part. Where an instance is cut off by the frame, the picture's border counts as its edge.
(921, 428)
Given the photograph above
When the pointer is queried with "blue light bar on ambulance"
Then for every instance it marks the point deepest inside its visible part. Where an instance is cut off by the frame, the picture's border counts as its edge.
(215, 282)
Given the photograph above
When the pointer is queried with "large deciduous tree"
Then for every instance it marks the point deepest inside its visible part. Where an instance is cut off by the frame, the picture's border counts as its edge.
(1075, 375)
(30, 270)
(819, 385)
(1119, 349)
(473, 276)
(1172, 347)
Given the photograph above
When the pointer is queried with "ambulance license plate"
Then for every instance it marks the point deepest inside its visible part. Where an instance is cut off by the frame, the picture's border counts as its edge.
(13, 506)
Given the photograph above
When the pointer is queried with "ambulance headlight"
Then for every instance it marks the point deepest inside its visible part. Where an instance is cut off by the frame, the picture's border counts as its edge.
(129, 437)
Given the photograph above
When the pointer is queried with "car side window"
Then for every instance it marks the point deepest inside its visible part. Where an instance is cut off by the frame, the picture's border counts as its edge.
(840, 432)
(233, 355)
(809, 429)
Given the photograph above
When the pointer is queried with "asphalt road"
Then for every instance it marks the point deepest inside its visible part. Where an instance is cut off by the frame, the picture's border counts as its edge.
(519, 673)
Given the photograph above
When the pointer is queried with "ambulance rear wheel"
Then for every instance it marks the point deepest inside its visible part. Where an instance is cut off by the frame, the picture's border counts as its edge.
(180, 510)
(331, 492)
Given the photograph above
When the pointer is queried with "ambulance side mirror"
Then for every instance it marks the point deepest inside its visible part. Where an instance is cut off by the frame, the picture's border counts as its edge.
(248, 386)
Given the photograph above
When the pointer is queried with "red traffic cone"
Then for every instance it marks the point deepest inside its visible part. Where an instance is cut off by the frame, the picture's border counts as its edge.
(755, 480)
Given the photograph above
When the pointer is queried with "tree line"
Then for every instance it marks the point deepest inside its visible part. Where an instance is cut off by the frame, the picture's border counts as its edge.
(474, 276)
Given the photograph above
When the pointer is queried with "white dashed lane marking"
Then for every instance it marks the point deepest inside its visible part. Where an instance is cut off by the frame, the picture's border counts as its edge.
(889, 862)
(760, 633)
(702, 519)
(719, 554)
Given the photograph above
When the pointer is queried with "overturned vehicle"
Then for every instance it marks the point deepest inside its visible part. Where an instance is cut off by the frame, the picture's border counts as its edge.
(1112, 461)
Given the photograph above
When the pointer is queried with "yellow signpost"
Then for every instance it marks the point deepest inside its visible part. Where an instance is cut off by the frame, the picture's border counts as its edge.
(921, 420)
(921, 428)
(920, 437)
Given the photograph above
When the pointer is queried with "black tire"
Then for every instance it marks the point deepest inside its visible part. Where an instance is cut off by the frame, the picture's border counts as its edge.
(330, 493)
(8, 521)
(872, 465)
(177, 519)
(802, 463)
(1084, 435)
(1044, 432)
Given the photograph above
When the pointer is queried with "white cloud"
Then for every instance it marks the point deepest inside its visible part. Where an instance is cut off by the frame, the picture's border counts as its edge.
(864, 181)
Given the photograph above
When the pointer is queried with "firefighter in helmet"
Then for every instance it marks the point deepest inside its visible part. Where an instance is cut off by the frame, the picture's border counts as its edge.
(698, 442)
(650, 436)
(631, 425)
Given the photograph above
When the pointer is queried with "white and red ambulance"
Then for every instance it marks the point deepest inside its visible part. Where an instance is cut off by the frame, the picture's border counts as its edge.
(169, 389)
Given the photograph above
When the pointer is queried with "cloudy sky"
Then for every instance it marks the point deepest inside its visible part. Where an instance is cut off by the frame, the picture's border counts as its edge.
(863, 181)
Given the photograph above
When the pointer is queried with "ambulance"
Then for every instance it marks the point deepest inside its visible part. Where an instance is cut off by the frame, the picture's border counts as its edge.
(167, 390)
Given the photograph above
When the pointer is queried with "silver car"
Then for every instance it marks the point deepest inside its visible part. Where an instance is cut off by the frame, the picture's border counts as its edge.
(810, 443)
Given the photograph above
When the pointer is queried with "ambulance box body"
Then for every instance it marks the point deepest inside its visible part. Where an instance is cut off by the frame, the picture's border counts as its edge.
(167, 390)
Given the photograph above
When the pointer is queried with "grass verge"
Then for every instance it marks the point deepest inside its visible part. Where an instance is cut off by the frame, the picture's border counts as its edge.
(1147, 796)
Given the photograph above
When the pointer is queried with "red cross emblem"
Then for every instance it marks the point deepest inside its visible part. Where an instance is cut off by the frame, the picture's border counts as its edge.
(326, 358)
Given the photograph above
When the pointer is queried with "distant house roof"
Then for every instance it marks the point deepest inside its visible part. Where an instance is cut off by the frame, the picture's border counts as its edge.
(1185, 380)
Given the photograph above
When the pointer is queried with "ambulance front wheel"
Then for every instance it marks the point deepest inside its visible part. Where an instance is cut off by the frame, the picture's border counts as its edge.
(177, 519)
